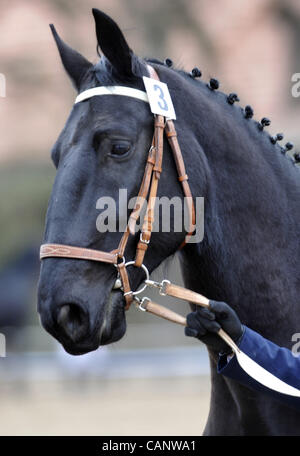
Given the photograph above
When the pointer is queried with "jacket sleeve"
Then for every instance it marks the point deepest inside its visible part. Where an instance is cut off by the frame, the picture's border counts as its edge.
(281, 362)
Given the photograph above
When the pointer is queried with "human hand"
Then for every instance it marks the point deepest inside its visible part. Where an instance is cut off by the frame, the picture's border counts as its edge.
(204, 324)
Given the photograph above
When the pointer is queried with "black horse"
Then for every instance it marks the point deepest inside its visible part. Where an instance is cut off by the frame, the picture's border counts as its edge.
(250, 253)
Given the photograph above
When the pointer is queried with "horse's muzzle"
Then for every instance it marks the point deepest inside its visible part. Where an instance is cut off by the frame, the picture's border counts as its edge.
(73, 321)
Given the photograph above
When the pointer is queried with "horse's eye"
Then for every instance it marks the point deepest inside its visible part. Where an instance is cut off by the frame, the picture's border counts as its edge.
(120, 149)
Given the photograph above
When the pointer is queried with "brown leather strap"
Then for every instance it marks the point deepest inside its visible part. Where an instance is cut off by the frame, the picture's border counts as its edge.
(126, 285)
(182, 176)
(144, 189)
(123, 243)
(159, 125)
(183, 293)
(67, 251)
(163, 312)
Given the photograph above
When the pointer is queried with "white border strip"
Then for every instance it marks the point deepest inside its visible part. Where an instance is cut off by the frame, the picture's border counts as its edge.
(113, 90)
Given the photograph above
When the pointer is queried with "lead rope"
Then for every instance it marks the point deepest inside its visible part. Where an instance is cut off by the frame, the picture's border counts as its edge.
(166, 288)
(247, 364)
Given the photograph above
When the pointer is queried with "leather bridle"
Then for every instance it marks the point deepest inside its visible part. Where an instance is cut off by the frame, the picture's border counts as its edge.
(148, 189)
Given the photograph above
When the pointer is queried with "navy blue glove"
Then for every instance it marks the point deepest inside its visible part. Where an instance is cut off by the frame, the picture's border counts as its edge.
(204, 325)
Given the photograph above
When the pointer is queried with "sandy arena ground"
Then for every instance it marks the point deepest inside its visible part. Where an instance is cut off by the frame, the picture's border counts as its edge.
(164, 406)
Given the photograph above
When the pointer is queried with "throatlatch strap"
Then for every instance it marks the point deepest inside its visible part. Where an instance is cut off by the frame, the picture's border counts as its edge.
(182, 177)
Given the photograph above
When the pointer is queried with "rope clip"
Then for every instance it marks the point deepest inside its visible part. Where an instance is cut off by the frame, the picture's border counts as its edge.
(162, 286)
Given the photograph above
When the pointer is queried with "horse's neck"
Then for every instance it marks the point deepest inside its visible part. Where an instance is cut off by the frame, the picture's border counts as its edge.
(250, 253)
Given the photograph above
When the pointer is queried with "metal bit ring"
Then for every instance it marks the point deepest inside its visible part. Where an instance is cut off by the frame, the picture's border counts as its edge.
(130, 263)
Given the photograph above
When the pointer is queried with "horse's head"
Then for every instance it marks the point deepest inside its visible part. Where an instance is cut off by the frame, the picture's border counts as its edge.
(102, 148)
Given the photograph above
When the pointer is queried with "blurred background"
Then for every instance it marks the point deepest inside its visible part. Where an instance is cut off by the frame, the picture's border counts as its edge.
(154, 381)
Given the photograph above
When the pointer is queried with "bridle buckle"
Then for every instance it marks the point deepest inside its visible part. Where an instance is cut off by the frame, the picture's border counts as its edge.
(144, 241)
(141, 303)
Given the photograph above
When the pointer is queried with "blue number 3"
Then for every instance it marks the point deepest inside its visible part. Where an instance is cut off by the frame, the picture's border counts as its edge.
(162, 104)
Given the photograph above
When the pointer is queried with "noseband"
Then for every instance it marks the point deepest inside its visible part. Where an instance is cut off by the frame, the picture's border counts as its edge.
(148, 189)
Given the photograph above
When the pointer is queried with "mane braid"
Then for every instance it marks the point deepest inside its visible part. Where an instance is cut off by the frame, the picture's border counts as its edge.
(213, 85)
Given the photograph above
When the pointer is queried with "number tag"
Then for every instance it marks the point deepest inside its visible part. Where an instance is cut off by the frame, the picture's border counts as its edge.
(159, 98)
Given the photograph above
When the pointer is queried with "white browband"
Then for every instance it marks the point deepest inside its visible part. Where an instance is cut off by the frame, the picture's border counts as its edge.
(113, 90)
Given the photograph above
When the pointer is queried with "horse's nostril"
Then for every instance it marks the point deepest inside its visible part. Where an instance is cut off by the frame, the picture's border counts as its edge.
(73, 320)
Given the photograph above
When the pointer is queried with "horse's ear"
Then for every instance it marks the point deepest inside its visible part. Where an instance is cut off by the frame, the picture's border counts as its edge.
(74, 63)
(113, 44)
